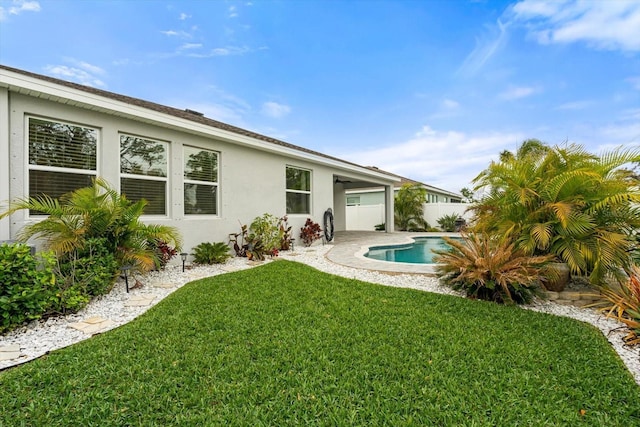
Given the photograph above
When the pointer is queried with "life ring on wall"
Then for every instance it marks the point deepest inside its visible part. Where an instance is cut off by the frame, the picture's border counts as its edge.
(328, 225)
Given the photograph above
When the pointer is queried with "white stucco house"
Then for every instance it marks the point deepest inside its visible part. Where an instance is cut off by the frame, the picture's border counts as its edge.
(200, 175)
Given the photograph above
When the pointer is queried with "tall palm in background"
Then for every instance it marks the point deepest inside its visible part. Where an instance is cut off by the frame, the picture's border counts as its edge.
(97, 211)
(563, 200)
(409, 207)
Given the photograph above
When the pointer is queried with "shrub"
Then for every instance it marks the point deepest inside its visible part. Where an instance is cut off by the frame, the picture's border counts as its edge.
(83, 274)
(285, 233)
(623, 303)
(489, 268)
(448, 222)
(98, 211)
(211, 253)
(267, 229)
(163, 252)
(310, 232)
(27, 285)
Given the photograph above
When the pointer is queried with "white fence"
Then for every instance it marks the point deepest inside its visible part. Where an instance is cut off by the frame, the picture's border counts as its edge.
(368, 216)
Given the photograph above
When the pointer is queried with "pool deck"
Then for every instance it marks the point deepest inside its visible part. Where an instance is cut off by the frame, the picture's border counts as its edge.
(349, 248)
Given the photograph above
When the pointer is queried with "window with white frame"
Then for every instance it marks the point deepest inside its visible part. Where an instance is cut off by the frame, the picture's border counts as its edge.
(143, 172)
(62, 157)
(200, 181)
(353, 200)
(298, 190)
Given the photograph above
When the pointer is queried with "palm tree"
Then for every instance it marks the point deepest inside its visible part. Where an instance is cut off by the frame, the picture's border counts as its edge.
(565, 201)
(409, 207)
(97, 211)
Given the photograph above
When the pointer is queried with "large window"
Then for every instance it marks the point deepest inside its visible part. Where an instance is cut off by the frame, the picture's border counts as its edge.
(62, 157)
(200, 181)
(298, 191)
(143, 172)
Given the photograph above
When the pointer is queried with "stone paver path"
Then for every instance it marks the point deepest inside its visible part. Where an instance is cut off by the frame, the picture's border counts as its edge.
(140, 301)
(92, 325)
(9, 352)
(164, 285)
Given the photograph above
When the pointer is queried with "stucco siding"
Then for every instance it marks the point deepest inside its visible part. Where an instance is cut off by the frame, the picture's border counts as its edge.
(251, 182)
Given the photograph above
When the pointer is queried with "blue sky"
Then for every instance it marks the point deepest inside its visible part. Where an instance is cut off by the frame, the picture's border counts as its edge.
(431, 90)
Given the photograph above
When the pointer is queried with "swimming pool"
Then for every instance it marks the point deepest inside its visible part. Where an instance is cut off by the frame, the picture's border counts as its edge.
(418, 252)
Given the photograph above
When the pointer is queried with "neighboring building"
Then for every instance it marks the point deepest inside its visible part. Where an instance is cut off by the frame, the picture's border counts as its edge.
(375, 195)
(200, 175)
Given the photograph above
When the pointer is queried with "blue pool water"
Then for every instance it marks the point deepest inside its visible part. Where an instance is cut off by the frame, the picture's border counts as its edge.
(419, 252)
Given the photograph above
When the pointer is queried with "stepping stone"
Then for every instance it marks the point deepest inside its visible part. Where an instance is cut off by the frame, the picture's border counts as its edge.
(139, 301)
(164, 285)
(92, 325)
(10, 352)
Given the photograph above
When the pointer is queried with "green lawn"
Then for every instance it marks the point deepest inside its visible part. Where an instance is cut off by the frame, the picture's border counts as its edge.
(285, 344)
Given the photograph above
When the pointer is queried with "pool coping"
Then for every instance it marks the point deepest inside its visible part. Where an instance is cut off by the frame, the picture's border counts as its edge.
(350, 247)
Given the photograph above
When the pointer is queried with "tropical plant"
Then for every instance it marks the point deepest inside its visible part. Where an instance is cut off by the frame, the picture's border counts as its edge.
(285, 232)
(310, 232)
(490, 268)
(97, 211)
(564, 201)
(163, 252)
(622, 301)
(448, 222)
(267, 228)
(211, 253)
(84, 273)
(409, 207)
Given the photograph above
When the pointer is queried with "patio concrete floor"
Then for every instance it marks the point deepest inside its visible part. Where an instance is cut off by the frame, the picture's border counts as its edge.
(349, 248)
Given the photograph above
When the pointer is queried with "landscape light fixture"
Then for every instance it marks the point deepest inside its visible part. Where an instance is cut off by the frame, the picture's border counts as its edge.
(125, 269)
(183, 255)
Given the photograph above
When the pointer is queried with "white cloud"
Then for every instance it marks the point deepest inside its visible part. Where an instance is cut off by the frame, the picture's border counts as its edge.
(187, 46)
(275, 110)
(450, 104)
(83, 73)
(184, 16)
(445, 159)
(233, 12)
(609, 25)
(223, 51)
(485, 49)
(173, 33)
(17, 7)
(575, 105)
(517, 92)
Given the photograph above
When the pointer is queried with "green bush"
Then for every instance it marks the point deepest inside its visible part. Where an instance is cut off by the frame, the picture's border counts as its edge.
(266, 228)
(27, 285)
(98, 211)
(85, 273)
(448, 222)
(211, 253)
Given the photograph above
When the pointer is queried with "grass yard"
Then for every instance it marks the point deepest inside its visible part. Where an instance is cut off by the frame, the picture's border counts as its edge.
(285, 344)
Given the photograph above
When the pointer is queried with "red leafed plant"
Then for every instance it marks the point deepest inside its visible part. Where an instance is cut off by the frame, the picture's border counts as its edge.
(623, 303)
(310, 232)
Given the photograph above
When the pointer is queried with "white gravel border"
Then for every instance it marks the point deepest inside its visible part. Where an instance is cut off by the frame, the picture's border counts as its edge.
(40, 337)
